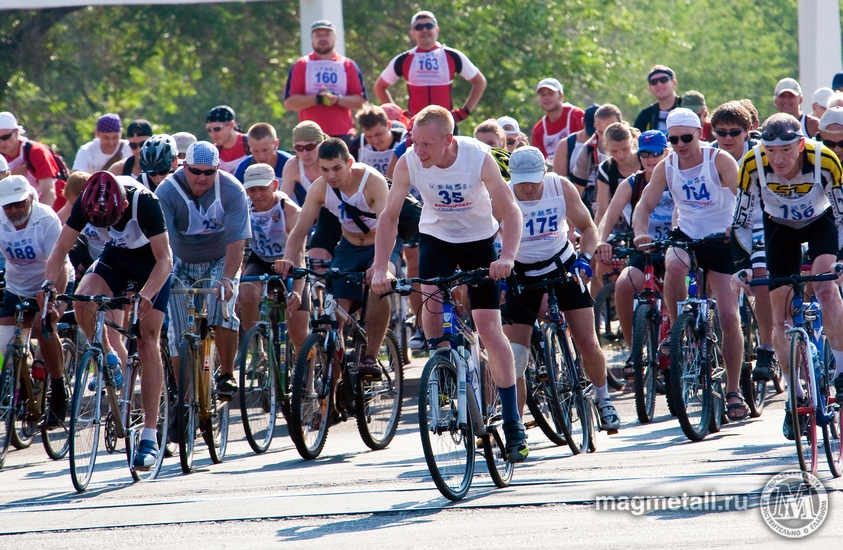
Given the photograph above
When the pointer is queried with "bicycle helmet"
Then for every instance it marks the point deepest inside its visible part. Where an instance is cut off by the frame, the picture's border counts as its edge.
(103, 199)
(158, 154)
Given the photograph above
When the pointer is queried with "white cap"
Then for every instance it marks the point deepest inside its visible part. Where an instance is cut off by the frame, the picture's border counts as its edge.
(4, 166)
(551, 83)
(831, 116)
(14, 189)
(183, 141)
(509, 125)
(821, 96)
(9, 122)
(258, 175)
(788, 85)
(683, 117)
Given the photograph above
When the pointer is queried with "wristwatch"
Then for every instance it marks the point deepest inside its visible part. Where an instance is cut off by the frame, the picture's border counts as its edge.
(585, 255)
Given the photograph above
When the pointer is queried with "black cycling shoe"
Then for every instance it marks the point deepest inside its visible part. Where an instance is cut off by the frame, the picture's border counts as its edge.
(226, 387)
(838, 387)
(763, 370)
(516, 441)
(787, 425)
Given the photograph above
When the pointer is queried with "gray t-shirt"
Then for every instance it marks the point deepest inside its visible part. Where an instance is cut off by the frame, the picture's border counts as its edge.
(201, 228)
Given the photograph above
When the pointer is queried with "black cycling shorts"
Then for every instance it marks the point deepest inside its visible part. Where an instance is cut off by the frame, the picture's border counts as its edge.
(438, 258)
(349, 257)
(523, 309)
(117, 276)
(784, 244)
(711, 256)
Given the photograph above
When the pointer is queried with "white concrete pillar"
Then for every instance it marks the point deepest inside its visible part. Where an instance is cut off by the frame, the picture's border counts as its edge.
(313, 10)
(819, 46)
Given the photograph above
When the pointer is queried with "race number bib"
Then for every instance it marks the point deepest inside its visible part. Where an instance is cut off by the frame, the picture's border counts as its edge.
(328, 75)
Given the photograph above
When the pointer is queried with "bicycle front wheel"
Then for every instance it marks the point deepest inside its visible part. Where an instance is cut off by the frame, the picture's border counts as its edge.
(803, 417)
(258, 389)
(576, 412)
(542, 397)
(645, 361)
(311, 408)
(186, 410)
(448, 446)
(831, 430)
(379, 401)
(85, 420)
(215, 429)
(688, 378)
(135, 421)
(494, 448)
(754, 391)
(7, 404)
(57, 440)
(26, 426)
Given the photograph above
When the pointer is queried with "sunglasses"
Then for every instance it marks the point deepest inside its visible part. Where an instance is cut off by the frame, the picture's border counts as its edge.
(20, 205)
(214, 129)
(686, 138)
(134, 145)
(422, 26)
(166, 171)
(198, 172)
(659, 80)
(7, 136)
(832, 144)
(731, 133)
(648, 154)
(784, 136)
(303, 148)
(511, 141)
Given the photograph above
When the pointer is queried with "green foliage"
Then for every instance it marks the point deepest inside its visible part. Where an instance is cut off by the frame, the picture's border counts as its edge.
(171, 64)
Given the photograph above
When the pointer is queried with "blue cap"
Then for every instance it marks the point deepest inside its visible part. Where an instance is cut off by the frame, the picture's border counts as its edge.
(652, 141)
(837, 82)
(202, 152)
(526, 165)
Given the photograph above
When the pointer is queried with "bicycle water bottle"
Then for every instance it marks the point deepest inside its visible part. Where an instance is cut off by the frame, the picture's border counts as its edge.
(282, 347)
(692, 287)
(328, 304)
(38, 370)
(815, 359)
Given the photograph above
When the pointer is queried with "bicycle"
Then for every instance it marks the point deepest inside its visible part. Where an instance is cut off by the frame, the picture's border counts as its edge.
(25, 392)
(539, 389)
(811, 369)
(199, 367)
(697, 371)
(458, 398)
(326, 388)
(568, 387)
(754, 391)
(125, 417)
(606, 323)
(265, 360)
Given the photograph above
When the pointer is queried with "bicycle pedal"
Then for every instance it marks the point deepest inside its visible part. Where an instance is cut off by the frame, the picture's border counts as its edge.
(608, 432)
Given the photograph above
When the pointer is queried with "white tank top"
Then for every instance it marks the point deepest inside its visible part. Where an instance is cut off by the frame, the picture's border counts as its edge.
(794, 209)
(368, 155)
(302, 186)
(358, 200)
(550, 141)
(704, 205)
(545, 230)
(456, 205)
(132, 236)
(269, 231)
(201, 221)
(661, 218)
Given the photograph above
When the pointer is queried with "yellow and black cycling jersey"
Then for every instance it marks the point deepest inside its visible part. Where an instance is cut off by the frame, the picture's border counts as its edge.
(795, 202)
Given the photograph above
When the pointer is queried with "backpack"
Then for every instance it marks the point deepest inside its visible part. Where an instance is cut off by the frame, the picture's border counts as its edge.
(63, 172)
(408, 220)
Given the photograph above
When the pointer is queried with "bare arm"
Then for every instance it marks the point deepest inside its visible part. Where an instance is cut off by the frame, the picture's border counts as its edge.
(382, 91)
(388, 224)
(55, 263)
(560, 158)
(647, 203)
(579, 217)
(307, 217)
(478, 86)
(47, 189)
(117, 167)
(603, 200)
(289, 176)
(727, 169)
(163, 265)
(623, 195)
(300, 102)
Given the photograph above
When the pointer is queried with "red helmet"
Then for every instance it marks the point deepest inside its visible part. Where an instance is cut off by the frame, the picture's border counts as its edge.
(103, 199)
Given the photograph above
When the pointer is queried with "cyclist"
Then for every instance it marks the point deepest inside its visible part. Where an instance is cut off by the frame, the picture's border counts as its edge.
(138, 250)
(702, 183)
(355, 194)
(28, 232)
(138, 131)
(490, 133)
(567, 149)
(662, 81)
(106, 148)
(512, 130)
(459, 180)
(831, 130)
(652, 149)
(548, 202)
(586, 161)
(158, 159)
(272, 216)
(375, 146)
(263, 143)
(208, 222)
(224, 131)
(797, 182)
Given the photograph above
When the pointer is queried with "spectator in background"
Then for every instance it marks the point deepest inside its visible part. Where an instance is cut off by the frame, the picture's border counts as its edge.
(324, 86)
(512, 131)
(568, 148)
(837, 82)
(232, 145)
(396, 116)
(138, 132)
(490, 133)
(263, 143)
(695, 101)
(662, 84)
(788, 99)
(561, 119)
(819, 101)
(106, 149)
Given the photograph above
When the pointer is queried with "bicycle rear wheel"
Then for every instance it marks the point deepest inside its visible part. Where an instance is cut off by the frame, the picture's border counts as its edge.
(25, 426)
(576, 411)
(494, 448)
(85, 420)
(717, 383)
(311, 405)
(832, 430)
(448, 447)
(258, 389)
(542, 397)
(688, 372)
(186, 409)
(379, 401)
(804, 418)
(754, 391)
(609, 333)
(57, 441)
(215, 429)
(645, 361)
(135, 421)
(7, 405)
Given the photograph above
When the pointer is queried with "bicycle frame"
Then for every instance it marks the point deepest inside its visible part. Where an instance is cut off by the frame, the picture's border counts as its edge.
(807, 319)
(203, 369)
(276, 329)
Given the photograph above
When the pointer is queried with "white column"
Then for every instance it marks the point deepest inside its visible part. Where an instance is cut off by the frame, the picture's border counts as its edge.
(819, 46)
(313, 10)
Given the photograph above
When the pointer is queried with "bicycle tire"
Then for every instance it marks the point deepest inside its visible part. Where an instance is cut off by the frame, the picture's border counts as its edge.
(7, 405)
(645, 361)
(542, 397)
(494, 448)
(86, 412)
(691, 397)
(258, 388)
(134, 422)
(576, 423)
(57, 441)
(378, 403)
(804, 429)
(186, 409)
(311, 412)
(285, 379)
(25, 429)
(831, 430)
(754, 391)
(448, 448)
(717, 382)
(215, 429)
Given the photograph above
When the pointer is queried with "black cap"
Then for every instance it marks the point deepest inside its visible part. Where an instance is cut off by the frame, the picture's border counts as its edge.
(139, 127)
(588, 119)
(220, 113)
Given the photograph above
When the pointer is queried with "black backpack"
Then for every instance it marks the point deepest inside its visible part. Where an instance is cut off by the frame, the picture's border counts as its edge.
(63, 172)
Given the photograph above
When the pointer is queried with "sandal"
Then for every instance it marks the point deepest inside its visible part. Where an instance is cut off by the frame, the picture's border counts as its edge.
(731, 407)
(629, 369)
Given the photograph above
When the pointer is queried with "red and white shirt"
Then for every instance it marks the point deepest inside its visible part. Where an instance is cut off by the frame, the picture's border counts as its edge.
(42, 166)
(547, 134)
(230, 159)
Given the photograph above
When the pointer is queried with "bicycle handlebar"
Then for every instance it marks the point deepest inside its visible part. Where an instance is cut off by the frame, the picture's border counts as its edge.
(332, 274)
(405, 286)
